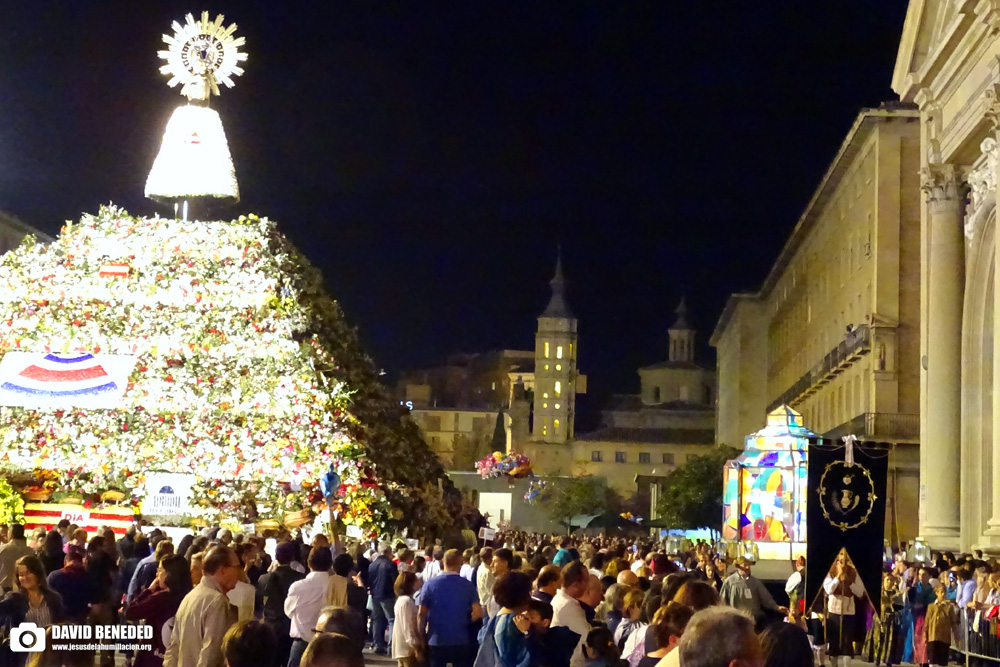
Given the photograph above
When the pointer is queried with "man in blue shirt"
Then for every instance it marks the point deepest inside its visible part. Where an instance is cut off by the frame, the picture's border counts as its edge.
(449, 604)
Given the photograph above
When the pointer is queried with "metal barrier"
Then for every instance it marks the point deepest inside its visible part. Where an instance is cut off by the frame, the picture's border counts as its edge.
(977, 639)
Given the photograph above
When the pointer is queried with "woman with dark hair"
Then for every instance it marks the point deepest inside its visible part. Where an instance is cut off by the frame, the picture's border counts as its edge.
(184, 545)
(51, 554)
(711, 574)
(158, 604)
(31, 600)
(506, 633)
(785, 645)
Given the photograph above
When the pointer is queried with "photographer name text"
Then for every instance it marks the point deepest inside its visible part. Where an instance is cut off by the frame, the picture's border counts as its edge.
(100, 632)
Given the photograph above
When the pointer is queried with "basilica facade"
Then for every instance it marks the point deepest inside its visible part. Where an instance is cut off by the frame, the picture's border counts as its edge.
(948, 65)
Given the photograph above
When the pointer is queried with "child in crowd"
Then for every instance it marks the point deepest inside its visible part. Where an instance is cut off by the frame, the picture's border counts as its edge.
(599, 649)
(941, 619)
(554, 645)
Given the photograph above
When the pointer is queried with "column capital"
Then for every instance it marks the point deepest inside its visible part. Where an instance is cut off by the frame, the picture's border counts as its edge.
(943, 183)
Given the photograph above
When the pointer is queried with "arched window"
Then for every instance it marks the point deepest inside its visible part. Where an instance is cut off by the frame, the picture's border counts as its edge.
(656, 394)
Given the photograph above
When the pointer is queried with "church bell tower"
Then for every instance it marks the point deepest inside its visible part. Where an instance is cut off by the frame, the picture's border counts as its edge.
(555, 367)
(681, 336)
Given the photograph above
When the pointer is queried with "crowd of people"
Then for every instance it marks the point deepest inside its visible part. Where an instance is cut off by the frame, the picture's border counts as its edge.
(216, 599)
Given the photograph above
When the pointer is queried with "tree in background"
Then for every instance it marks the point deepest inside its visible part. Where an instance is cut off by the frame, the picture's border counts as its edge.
(692, 493)
(581, 495)
(468, 449)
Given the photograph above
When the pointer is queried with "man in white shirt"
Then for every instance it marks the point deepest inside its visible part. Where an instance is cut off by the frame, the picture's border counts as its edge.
(503, 562)
(306, 598)
(484, 577)
(795, 587)
(566, 609)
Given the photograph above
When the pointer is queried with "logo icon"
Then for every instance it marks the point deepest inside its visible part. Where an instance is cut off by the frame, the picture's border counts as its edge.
(846, 494)
(27, 638)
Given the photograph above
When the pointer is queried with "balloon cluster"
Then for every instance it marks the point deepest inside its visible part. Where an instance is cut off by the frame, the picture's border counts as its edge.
(537, 490)
(513, 465)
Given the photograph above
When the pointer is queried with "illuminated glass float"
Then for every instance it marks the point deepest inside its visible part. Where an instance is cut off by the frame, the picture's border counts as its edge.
(764, 498)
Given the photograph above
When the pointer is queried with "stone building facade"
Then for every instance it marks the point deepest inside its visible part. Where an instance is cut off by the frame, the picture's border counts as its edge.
(948, 65)
(834, 332)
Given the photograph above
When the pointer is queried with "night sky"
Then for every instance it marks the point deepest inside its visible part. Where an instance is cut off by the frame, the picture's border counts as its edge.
(429, 157)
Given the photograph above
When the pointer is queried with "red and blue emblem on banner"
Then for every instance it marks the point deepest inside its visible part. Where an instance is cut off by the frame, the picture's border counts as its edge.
(59, 375)
(79, 380)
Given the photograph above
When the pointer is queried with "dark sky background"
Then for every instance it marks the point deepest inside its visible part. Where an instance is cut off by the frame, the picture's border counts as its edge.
(431, 156)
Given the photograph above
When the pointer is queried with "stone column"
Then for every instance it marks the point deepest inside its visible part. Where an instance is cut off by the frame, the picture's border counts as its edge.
(940, 444)
(987, 183)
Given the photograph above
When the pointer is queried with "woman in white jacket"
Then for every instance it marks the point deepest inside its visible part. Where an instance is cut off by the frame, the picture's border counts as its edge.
(407, 639)
(843, 586)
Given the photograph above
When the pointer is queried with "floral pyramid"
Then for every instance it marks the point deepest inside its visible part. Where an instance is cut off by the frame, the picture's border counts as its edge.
(138, 345)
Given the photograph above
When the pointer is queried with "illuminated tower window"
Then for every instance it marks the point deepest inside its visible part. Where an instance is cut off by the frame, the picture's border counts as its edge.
(556, 426)
(558, 367)
(558, 388)
(546, 349)
(558, 352)
(545, 395)
(545, 406)
(557, 406)
(546, 367)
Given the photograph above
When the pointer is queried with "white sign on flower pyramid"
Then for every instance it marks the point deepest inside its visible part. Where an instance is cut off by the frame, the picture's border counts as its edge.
(209, 341)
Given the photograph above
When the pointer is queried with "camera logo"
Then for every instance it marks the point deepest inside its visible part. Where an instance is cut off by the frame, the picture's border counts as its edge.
(27, 638)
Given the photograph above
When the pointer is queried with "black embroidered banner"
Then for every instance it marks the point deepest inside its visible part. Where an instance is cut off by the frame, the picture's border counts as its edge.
(846, 509)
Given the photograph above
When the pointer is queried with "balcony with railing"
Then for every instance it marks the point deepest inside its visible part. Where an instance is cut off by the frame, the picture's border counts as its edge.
(856, 343)
(877, 426)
